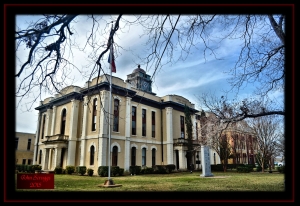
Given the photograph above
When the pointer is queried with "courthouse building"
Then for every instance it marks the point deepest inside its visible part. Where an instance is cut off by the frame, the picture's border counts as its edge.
(146, 130)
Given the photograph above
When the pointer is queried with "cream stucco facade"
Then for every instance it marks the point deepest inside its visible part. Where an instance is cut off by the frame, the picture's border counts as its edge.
(73, 126)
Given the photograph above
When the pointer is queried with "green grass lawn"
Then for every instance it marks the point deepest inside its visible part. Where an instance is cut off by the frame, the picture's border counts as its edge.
(183, 181)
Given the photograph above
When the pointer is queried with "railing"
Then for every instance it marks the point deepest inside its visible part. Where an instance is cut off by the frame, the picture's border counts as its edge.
(182, 141)
(57, 137)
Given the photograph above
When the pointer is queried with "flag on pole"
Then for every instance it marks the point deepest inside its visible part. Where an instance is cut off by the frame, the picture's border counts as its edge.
(111, 57)
(111, 60)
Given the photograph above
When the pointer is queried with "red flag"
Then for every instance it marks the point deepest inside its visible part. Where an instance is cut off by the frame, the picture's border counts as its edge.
(112, 62)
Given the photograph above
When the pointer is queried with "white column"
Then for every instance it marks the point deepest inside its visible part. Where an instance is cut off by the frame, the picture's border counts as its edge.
(53, 120)
(47, 122)
(35, 152)
(102, 151)
(127, 134)
(73, 132)
(182, 159)
(57, 157)
(169, 126)
(193, 118)
(50, 152)
(45, 158)
(83, 135)
(103, 128)
(128, 117)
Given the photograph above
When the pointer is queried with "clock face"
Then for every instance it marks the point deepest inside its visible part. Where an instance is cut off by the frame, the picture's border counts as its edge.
(145, 85)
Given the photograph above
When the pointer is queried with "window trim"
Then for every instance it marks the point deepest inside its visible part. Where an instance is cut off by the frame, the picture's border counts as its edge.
(133, 120)
(94, 115)
(144, 122)
(116, 115)
(92, 155)
(153, 115)
(63, 121)
(144, 156)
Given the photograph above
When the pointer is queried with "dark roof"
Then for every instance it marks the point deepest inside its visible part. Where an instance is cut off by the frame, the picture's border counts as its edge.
(139, 70)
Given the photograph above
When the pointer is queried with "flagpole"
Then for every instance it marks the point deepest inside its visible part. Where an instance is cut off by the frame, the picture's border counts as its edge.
(109, 108)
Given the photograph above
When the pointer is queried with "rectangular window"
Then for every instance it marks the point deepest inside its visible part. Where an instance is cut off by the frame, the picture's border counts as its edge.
(29, 161)
(143, 122)
(23, 161)
(153, 124)
(133, 121)
(28, 144)
(16, 142)
(182, 126)
(94, 115)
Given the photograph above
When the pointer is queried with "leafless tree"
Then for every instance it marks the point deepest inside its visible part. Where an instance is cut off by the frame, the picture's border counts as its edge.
(281, 146)
(212, 134)
(261, 58)
(266, 131)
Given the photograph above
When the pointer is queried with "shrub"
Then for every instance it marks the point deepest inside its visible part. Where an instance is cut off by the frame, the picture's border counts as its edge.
(36, 167)
(103, 171)
(114, 170)
(121, 171)
(244, 169)
(28, 168)
(81, 170)
(281, 169)
(159, 169)
(217, 167)
(90, 172)
(70, 169)
(21, 168)
(170, 168)
(135, 170)
(148, 170)
(58, 170)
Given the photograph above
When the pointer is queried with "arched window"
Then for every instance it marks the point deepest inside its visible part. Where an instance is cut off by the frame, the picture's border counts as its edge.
(182, 126)
(43, 126)
(40, 159)
(133, 121)
(133, 156)
(92, 155)
(63, 121)
(144, 156)
(115, 156)
(116, 115)
(153, 156)
(94, 116)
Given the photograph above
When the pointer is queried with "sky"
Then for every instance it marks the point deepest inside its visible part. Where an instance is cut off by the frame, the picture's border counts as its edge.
(189, 78)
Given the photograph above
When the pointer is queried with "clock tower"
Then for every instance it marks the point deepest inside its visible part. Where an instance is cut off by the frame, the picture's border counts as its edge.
(140, 80)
